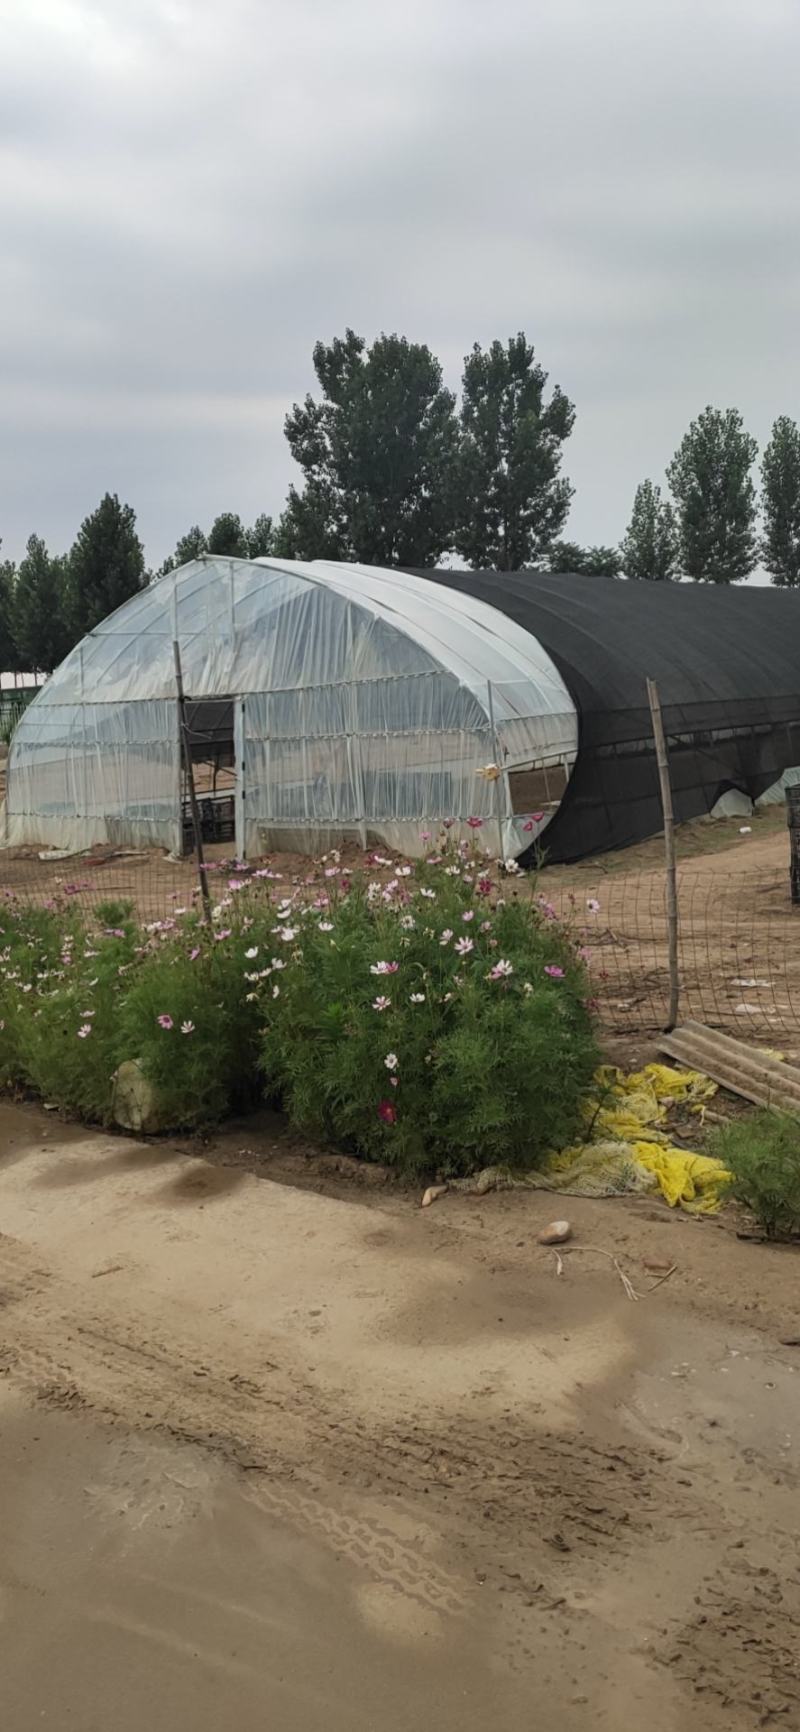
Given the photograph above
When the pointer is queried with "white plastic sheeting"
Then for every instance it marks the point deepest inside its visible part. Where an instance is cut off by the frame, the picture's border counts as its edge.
(364, 705)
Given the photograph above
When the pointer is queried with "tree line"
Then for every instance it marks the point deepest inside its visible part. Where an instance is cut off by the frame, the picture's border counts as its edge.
(394, 471)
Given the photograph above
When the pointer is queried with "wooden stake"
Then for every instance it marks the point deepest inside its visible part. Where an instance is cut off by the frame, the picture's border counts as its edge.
(193, 806)
(662, 760)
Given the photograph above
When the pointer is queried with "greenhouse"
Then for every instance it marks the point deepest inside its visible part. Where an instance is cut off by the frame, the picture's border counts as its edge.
(727, 665)
(329, 702)
(323, 702)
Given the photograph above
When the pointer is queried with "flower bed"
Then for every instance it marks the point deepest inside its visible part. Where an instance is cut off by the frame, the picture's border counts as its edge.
(435, 1022)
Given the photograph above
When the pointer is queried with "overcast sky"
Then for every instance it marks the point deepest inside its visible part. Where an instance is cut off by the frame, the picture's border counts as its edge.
(193, 191)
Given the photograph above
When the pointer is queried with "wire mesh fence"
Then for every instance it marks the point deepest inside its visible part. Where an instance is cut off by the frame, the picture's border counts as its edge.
(739, 934)
(738, 949)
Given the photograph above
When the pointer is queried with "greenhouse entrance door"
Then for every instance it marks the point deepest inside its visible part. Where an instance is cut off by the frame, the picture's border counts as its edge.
(210, 723)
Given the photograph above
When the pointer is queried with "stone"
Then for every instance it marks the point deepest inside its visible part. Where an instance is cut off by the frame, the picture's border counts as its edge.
(556, 1234)
(134, 1101)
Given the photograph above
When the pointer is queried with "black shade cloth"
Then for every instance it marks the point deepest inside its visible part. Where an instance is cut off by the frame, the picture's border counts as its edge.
(727, 664)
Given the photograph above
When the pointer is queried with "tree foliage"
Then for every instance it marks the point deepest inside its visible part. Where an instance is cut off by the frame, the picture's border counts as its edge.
(711, 480)
(588, 561)
(780, 476)
(228, 536)
(650, 548)
(39, 609)
(106, 565)
(377, 453)
(512, 502)
(9, 655)
(261, 538)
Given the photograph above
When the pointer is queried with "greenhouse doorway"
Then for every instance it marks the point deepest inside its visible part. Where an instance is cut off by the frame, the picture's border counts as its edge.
(211, 726)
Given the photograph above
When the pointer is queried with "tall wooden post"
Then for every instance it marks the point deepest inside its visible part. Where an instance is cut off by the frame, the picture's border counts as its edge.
(662, 760)
(193, 806)
(793, 821)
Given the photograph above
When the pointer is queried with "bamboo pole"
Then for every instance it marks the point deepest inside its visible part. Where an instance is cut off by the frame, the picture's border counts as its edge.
(193, 806)
(662, 760)
(498, 794)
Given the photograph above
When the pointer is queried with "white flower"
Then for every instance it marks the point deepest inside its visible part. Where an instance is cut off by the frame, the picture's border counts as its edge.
(278, 962)
(391, 1061)
(381, 1003)
(373, 890)
(501, 970)
(416, 998)
(276, 992)
(288, 933)
(403, 871)
(593, 905)
(187, 1028)
(431, 894)
(253, 951)
(325, 926)
(452, 871)
(511, 865)
(527, 988)
(408, 923)
(464, 946)
(446, 935)
(470, 914)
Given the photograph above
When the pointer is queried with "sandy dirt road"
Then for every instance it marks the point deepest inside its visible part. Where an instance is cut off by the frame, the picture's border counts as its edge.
(275, 1458)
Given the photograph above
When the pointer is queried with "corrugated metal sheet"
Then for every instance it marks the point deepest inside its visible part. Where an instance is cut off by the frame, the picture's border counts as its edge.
(769, 1082)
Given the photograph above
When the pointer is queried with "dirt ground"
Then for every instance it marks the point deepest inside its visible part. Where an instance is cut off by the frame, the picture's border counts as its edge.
(313, 1458)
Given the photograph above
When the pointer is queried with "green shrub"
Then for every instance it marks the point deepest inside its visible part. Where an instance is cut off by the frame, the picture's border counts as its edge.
(428, 1023)
(762, 1155)
(189, 1022)
(427, 1027)
(60, 982)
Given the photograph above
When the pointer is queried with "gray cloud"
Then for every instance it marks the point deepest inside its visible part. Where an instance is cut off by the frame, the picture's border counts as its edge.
(191, 193)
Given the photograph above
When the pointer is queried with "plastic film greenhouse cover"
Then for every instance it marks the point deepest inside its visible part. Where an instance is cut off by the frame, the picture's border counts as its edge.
(366, 702)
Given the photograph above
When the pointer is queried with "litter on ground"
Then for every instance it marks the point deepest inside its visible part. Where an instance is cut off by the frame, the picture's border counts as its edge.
(627, 1146)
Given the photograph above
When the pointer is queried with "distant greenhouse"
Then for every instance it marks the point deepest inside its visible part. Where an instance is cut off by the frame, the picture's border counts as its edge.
(325, 702)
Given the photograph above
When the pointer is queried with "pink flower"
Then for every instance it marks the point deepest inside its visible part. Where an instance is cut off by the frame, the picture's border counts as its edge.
(501, 970)
(165, 1021)
(187, 1028)
(554, 971)
(464, 946)
(593, 905)
(484, 886)
(381, 1003)
(384, 967)
(393, 1080)
(475, 823)
(424, 835)
(470, 914)
(225, 933)
(86, 1029)
(447, 823)
(193, 954)
(388, 1112)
